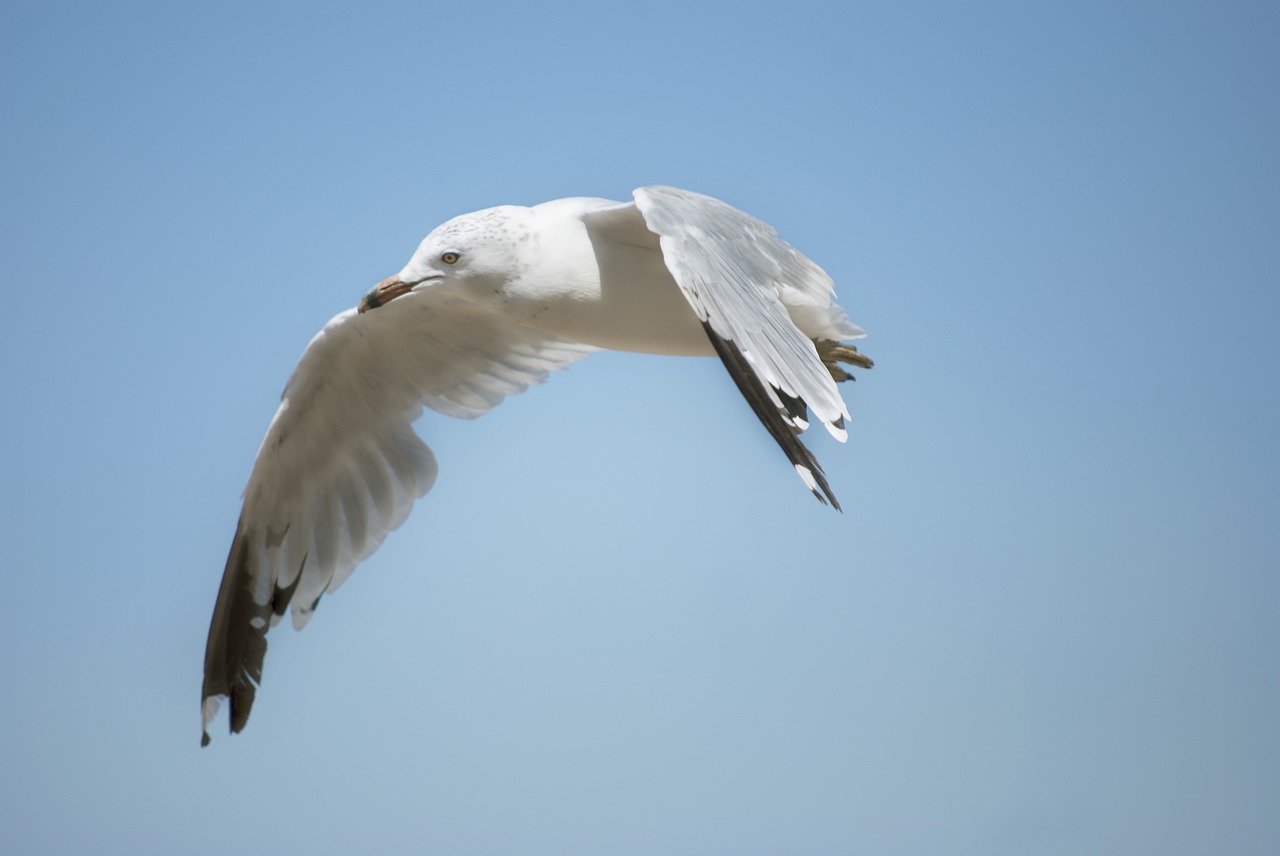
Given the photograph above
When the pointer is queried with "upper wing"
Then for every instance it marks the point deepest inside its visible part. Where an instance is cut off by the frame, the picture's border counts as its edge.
(341, 466)
(735, 272)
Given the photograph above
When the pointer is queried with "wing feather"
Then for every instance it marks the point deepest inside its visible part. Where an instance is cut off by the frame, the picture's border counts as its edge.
(762, 305)
(734, 270)
(341, 466)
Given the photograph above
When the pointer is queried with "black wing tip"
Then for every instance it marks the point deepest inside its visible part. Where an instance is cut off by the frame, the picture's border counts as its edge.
(753, 390)
(241, 703)
(237, 644)
(829, 499)
(817, 481)
(239, 699)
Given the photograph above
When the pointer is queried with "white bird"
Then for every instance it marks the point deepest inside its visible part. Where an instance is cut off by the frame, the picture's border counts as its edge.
(489, 303)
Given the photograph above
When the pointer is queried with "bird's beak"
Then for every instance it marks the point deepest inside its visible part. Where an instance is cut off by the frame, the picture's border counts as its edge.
(384, 292)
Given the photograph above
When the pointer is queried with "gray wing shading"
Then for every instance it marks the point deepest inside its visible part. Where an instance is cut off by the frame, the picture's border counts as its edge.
(341, 466)
(748, 288)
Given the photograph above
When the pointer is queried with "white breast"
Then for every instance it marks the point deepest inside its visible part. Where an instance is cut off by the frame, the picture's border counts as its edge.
(599, 292)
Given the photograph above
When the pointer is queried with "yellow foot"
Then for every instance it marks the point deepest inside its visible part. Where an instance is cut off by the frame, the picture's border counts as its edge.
(833, 353)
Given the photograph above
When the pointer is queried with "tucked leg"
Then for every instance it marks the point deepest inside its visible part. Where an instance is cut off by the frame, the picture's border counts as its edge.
(833, 353)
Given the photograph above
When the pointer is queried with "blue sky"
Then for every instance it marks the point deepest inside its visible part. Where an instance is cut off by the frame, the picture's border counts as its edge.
(1047, 622)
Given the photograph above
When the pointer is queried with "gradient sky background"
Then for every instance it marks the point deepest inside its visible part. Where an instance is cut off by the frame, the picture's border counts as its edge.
(1048, 622)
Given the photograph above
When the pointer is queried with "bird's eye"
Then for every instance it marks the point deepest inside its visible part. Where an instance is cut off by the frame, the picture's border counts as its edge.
(450, 258)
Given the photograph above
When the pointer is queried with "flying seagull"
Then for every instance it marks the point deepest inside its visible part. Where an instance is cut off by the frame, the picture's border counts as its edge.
(490, 303)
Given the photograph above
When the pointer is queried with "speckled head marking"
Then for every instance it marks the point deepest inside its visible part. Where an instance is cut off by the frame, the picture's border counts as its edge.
(487, 242)
(490, 225)
(483, 249)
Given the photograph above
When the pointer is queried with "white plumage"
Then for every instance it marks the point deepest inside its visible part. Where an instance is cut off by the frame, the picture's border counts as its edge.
(490, 303)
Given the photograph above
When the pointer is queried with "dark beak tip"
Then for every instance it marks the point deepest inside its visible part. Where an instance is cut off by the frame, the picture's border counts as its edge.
(383, 293)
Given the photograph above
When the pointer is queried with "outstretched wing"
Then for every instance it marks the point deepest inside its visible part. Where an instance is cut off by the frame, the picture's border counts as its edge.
(341, 466)
(735, 272)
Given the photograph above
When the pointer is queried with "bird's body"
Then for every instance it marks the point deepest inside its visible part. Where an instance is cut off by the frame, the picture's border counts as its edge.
(490, 303)
(606, 294)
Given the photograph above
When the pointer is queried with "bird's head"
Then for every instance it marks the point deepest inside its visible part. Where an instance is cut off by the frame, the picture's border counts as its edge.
(485, 249)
